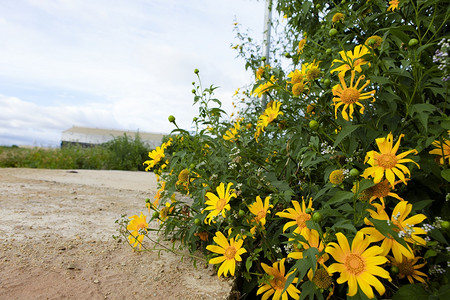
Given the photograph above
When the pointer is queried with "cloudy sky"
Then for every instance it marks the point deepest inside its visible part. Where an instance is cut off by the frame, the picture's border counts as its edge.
(118, 64)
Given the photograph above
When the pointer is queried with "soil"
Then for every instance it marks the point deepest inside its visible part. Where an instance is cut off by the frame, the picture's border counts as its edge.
(56, 229)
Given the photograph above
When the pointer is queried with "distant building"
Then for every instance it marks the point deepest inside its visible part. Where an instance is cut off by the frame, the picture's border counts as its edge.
(89, 137)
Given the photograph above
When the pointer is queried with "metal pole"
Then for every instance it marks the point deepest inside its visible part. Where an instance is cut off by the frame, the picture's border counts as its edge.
(266, 43)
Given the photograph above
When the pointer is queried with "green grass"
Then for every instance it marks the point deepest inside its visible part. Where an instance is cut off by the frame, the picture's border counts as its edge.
(122, 153)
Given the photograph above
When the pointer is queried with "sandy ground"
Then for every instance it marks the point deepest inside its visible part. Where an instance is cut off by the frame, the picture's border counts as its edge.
(56, 242)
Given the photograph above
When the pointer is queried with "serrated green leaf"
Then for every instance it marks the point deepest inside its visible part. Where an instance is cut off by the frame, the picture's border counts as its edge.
(344, 133)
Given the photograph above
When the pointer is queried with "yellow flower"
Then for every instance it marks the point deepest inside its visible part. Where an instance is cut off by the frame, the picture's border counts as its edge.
(165, 211)
(393, 4)
(218, 205)
(301, 45)
(408, 268)
(271, 113)
(137, 228)
(337, 177)
(232, 133)
(374, 41)
(296, 77)
(404, 227)
(183, 176)
(260, 210)
(156, 156)
(381, 190)
(321, 279)
(386, 162)
(358, 265)
(298, 88)
(311, 70)
(351, 60)
(276, 283)
(158, 193)
(313, 241)
(442, 149)
(265, 87)
(297, 214)
(337, 17)
(231, 253)
(350, 96)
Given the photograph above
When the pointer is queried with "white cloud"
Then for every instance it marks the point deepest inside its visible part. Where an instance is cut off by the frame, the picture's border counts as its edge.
(114, 64)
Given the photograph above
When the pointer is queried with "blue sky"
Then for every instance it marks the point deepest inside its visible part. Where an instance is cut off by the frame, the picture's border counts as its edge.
(119, 64)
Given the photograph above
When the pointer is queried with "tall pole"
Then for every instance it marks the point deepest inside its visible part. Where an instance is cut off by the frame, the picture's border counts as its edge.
(266, 42)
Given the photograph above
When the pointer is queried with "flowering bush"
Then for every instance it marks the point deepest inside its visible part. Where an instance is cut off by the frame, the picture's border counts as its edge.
(340, 184)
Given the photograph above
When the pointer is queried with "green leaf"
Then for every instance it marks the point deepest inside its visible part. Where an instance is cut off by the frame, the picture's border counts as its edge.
(446, 174)
(307, 290)
(444, 292)
(345, 132)
(410, 292)
(387, 230)
(248, 264)
(423, 111)
(344, 224)
(429, 253)
(340, 196)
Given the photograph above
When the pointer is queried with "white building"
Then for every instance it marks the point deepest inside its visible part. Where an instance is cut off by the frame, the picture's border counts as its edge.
(95, 136)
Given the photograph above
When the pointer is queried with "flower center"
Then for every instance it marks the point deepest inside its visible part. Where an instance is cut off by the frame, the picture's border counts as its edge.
(350, 95)
(387, 160)
(278, 282)
(221, 204)
(322, 279)
(354, 264)
(313, 73)
(298, 88)
(141, 226)
(301, 220)
(382, 189)
(406, 268)
(261, 215)
(230, 252)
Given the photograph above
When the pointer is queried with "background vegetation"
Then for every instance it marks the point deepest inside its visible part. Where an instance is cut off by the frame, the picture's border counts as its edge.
(122, 153)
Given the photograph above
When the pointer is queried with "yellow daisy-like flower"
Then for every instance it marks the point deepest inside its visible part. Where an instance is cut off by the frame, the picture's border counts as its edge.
(351, 60)
(298, 88)
(381, 190)
(350, 96)
(137, 228)
(313, 241)
(358, 265)
(337, 17)
(311, 70)
(301, 45)
(296, 77)
(404, 227)
(271, 113)
(231, 253)
(408, 268)
(337, 177)
(393, 4)
(374, 41)
(265, 87)
(276, 283)
(156, 156)
(218, 205)
(183, 176)
(442, 150)
(232, 133)
(260, 71)
(297, 214)
(260, 210)
(386, 163)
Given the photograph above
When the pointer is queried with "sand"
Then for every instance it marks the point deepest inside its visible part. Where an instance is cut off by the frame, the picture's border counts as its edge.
(56, 229)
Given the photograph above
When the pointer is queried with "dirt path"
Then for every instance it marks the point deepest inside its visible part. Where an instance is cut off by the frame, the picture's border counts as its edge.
(56, 230)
